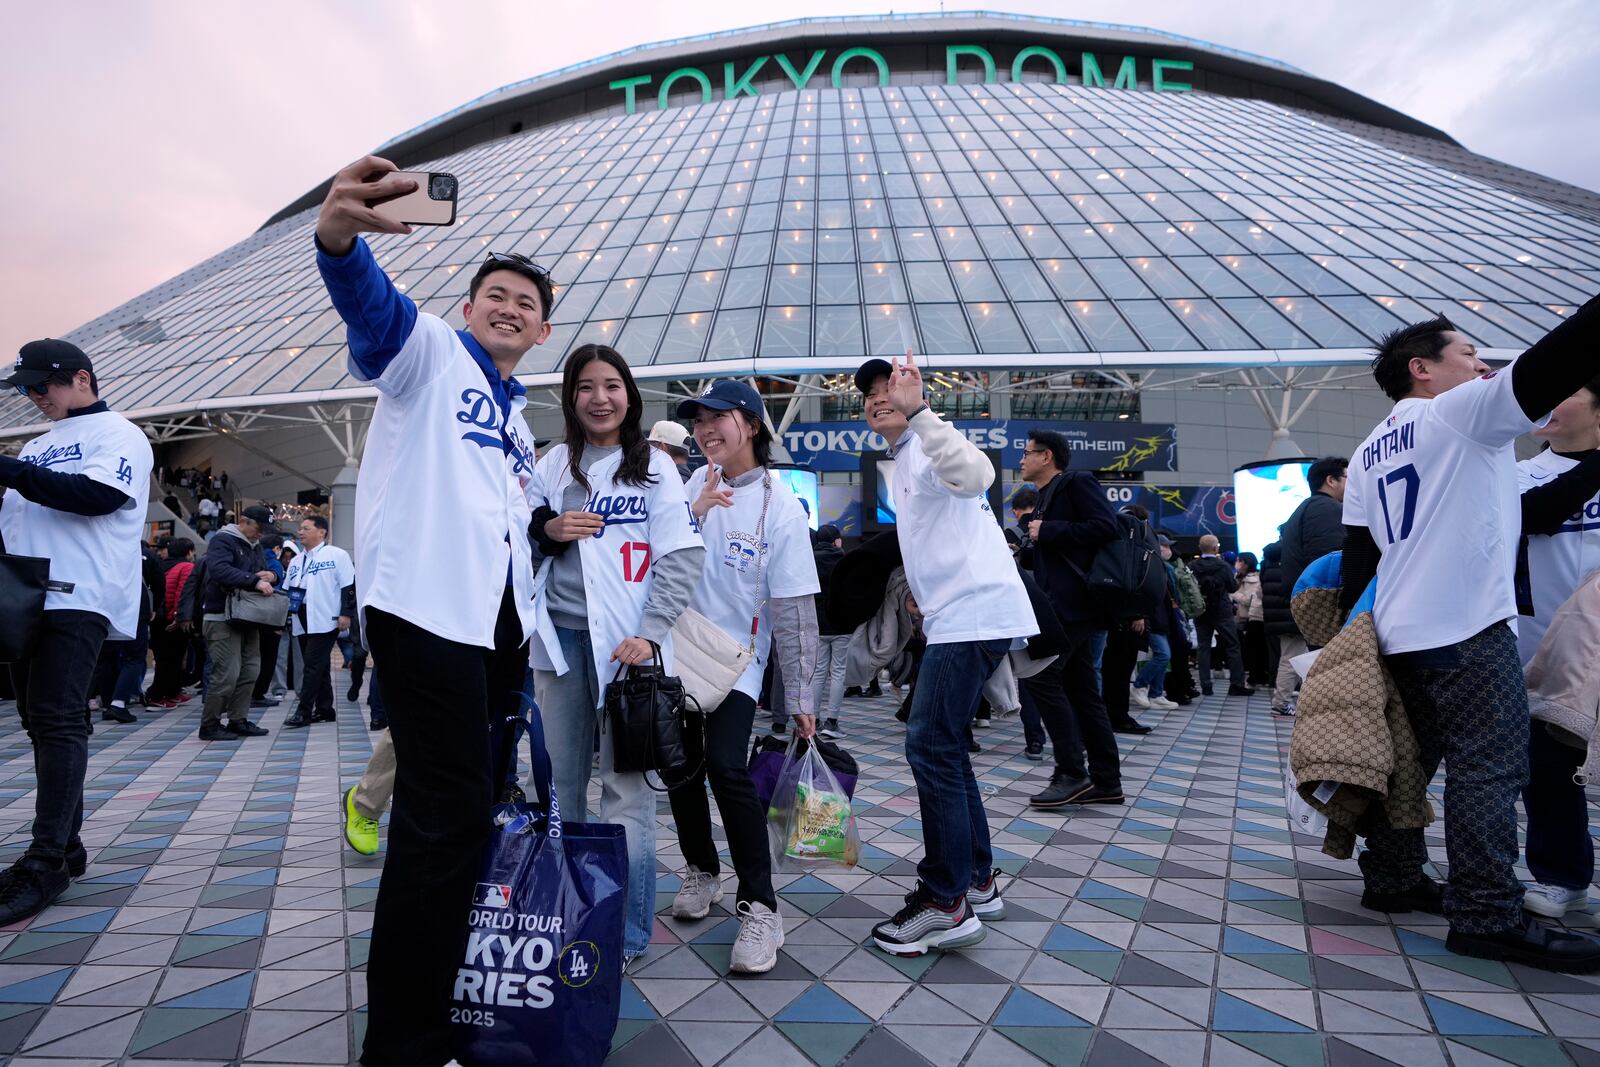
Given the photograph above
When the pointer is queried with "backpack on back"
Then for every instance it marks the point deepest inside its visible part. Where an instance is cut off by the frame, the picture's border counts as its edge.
(1127, 575)
(1190, 598)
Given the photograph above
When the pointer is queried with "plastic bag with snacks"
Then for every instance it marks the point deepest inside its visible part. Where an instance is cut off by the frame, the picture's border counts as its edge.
(810, 822)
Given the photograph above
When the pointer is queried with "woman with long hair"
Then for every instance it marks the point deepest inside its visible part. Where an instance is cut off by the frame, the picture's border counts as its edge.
(617, 560)
(1250, 610)
(758, 584)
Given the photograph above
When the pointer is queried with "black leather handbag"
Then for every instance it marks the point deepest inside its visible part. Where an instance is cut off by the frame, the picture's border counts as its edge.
(654, 724)
(24, 581)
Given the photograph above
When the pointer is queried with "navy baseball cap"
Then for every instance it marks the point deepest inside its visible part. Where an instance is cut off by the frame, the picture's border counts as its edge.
(871, 371)
(1163, 539)
(38, 360)
(726, 395)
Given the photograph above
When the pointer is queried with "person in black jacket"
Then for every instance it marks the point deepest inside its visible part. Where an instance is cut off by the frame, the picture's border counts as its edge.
(234, 560)
(1070, 523)
(833, 644)
(1217, 583)
(1316, 527)
(1283, 636)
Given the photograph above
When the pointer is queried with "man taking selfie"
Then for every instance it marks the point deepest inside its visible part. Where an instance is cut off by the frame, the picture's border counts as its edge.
(443, 479)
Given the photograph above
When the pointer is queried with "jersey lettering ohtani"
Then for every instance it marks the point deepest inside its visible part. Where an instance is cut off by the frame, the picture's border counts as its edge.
(1436, 484)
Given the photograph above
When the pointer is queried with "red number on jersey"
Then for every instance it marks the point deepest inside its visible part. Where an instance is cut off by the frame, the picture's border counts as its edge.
(635, 560)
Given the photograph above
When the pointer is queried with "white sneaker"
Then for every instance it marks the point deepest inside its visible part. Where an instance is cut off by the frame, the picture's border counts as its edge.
(1140, 696)
(755, 951)
(1552, 901)
(1163, 703)
(700, 891)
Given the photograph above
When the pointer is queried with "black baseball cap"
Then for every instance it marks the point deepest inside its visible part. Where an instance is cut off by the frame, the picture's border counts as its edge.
(871, 371)
(258, 514)
(828, 532)
(726, 395)
(37, 361)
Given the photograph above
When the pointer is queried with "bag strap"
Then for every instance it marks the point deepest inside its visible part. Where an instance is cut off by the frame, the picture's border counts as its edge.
(761, 555)
(530, 722)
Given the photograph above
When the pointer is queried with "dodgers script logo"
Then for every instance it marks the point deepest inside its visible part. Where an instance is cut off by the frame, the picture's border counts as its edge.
(481, 411)
(618, 509)
(319, 566)
(56, 454)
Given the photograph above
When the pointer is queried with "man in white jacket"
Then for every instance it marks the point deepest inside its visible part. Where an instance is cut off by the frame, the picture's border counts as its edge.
(974, 608)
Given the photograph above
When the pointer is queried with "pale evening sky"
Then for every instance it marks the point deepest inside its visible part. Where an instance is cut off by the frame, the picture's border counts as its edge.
(143, 137)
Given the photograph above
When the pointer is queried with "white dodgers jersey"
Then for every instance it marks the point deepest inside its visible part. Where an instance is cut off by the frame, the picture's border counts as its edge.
(1436, 484)
(1558, 562)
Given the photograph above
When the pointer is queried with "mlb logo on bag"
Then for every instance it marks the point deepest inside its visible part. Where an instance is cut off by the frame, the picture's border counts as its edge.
(491, 895)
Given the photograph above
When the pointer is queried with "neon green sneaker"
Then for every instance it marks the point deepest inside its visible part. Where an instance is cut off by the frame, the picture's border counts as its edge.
(359, 831)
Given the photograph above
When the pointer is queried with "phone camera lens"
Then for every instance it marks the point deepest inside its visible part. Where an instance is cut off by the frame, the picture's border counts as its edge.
(442, 187)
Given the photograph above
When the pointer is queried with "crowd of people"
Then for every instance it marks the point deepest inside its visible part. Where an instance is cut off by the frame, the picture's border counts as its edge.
(551, 573)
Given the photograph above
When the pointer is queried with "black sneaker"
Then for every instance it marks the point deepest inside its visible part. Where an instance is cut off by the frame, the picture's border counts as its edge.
(904, 714)
(1098, 795)
(248, 729)
(30, 886)
(973, 747)
(1241, 691)
(325, 716)
(923, 925)
(1062, 790)
(354, 693)
(294, 722)
(1531, 942)
(830, 729)
(1205, 690)
(116, 714)
(1129, 726)
(874, 690)
(1034, 752)
(779, 729)
(852, 690)
(218, 732)
(1426, 896)
(378, 722)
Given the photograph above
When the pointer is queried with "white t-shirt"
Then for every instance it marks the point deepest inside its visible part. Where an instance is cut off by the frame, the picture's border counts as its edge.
(98, 554)
(642, 524)
(1558, 562)
(322, 572)
(957, 562)
(1436, 483)
(728, 593)
(206, 507)
(441, 506)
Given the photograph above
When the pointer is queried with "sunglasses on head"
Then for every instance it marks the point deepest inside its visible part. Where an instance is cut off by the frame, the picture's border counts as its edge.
(515, 259)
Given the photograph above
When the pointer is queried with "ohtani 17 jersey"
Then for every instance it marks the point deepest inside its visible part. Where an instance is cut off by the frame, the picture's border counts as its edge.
(1436, 484)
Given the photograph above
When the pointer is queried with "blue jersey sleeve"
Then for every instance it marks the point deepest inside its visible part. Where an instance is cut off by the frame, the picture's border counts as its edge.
(378, 318)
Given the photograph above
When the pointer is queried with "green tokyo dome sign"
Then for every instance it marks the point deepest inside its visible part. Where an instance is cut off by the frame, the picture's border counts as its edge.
(736, 83)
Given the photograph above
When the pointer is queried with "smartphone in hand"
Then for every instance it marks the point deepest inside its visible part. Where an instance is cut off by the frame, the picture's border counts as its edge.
(432, 203)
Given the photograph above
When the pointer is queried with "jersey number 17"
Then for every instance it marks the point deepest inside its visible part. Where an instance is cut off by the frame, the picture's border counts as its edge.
(1410, 483)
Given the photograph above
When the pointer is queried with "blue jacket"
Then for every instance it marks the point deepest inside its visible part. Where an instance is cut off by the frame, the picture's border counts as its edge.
(231, 563)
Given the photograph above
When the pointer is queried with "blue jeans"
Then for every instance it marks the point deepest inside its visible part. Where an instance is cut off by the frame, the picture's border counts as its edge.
(1154, 671)
(569, 703)
(1097, 652)
(955, 829)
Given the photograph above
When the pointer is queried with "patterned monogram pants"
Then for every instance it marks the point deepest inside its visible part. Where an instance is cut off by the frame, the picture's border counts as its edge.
(1468, 705)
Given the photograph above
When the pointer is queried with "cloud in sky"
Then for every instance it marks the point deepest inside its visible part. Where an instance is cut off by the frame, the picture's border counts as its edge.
(144, 137)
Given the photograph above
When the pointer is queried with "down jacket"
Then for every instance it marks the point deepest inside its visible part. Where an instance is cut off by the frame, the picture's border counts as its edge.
(1275, 594)
(1353, 752)
(1564, 675)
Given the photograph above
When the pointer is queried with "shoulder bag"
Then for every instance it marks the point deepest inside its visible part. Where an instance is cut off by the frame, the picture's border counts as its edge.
(655, 725)
(24, 581)
(710, 662)
(248, 607)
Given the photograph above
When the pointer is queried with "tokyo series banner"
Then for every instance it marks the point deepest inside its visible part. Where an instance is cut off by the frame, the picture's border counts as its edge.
(1097, 446)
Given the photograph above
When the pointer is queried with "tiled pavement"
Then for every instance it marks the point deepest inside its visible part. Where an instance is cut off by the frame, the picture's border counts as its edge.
(222, 921)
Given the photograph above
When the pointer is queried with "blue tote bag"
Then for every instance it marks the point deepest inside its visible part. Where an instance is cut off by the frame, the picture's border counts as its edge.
(541, 983)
